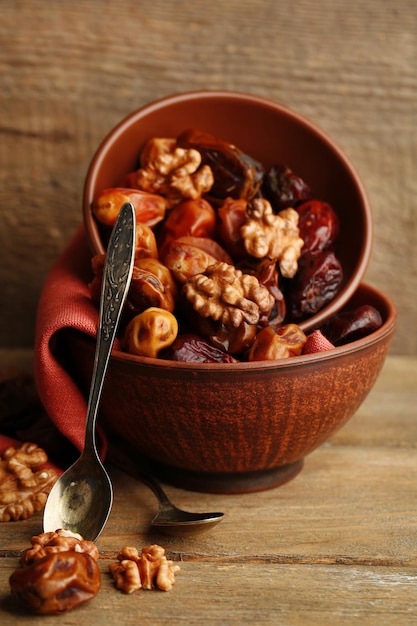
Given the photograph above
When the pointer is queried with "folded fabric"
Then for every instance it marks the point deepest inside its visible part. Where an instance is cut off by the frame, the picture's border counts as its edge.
(65, 303)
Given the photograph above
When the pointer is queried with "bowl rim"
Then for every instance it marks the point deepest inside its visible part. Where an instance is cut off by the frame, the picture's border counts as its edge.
(364, 343)
(92, 229)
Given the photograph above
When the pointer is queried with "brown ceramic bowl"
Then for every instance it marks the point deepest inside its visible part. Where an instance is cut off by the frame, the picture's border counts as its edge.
(233, 428)
(269, 132)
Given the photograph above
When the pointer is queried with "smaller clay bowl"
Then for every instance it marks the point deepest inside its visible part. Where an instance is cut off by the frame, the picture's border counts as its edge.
(232, 428)
(267, 131)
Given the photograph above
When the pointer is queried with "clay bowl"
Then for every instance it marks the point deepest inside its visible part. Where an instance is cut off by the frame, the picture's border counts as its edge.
(267, 131)
(233, 428)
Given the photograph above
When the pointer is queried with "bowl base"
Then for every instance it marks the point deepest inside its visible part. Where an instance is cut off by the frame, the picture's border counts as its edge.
(125, 457)
(229, 483)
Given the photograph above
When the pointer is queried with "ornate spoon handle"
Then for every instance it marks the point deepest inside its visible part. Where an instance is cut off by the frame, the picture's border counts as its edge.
(117, 274)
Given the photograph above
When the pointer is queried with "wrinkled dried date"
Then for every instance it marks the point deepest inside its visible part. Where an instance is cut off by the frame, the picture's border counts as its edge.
(268, 275)
(283, 188)
(149, 208)
(351, 325)
(192, 348)
(57, 583)
(318, 224)
(316, 283)
(236, 174)
(192, 217)
(281, 343)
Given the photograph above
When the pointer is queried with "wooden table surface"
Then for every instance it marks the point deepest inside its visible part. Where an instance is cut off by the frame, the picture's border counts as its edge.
(337, 545)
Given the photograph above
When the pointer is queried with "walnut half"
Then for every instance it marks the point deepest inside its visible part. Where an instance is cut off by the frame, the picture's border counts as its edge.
(226, 294)
(149, 570)
(275, 236)
(173, 172)
(61, 540)
(24, 483)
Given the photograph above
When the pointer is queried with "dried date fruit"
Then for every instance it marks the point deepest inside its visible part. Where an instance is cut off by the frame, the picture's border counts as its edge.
(195, 218)
(318, 225)
(188, 256)
(231, 217)
(192, 348)
(150, 332)
(236, 174)
(208, 245)
(283, 188)
(145, 242)
(316, 283)
(160, 271)
(233, 340)
(56, 583)
(149, 208)
(148, 288)
(351, 325)
(266, 271)
(282, 343)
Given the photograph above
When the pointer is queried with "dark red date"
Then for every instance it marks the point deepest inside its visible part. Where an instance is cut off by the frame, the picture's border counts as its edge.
(283, 188)
(192, 348)
(351, 325)
(316, 283)
(318, 225)
(236, 175)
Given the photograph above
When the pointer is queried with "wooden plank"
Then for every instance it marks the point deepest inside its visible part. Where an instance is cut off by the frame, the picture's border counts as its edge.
(69, 75)
(341, 508)
(228, 594)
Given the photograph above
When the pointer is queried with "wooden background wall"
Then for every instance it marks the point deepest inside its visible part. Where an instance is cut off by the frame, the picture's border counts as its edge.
(70, 70)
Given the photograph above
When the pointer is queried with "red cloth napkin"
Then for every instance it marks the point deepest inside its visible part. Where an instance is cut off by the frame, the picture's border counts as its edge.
(65, 303)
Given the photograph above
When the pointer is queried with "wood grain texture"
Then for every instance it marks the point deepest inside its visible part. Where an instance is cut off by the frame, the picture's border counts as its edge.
(334, 546)
(71, 70)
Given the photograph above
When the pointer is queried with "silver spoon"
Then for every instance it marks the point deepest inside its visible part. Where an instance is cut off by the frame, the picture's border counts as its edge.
(81, 499)
(170, 520)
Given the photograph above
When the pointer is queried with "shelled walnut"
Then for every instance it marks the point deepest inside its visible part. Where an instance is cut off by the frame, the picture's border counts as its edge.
(61, 540)
(149, 570)
(275, 236)
(173, 172)
(224, 293)
(24, 483)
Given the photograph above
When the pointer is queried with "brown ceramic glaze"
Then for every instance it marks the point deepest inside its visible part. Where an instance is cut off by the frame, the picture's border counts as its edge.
(270, 133)
(241, 427)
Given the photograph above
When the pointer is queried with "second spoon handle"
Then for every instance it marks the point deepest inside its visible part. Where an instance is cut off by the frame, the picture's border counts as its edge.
(117, 274)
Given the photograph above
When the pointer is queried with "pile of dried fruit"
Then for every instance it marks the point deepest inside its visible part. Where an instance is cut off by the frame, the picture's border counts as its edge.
(229, 258)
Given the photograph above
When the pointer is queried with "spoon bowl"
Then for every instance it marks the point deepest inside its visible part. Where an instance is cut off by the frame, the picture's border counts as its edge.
(170, 520)
(81, 499)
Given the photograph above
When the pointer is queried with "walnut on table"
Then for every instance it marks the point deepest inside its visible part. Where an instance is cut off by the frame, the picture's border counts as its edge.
(173, 172)
(148, 570)
(266, 234)
(60, 540)
(24, 484)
